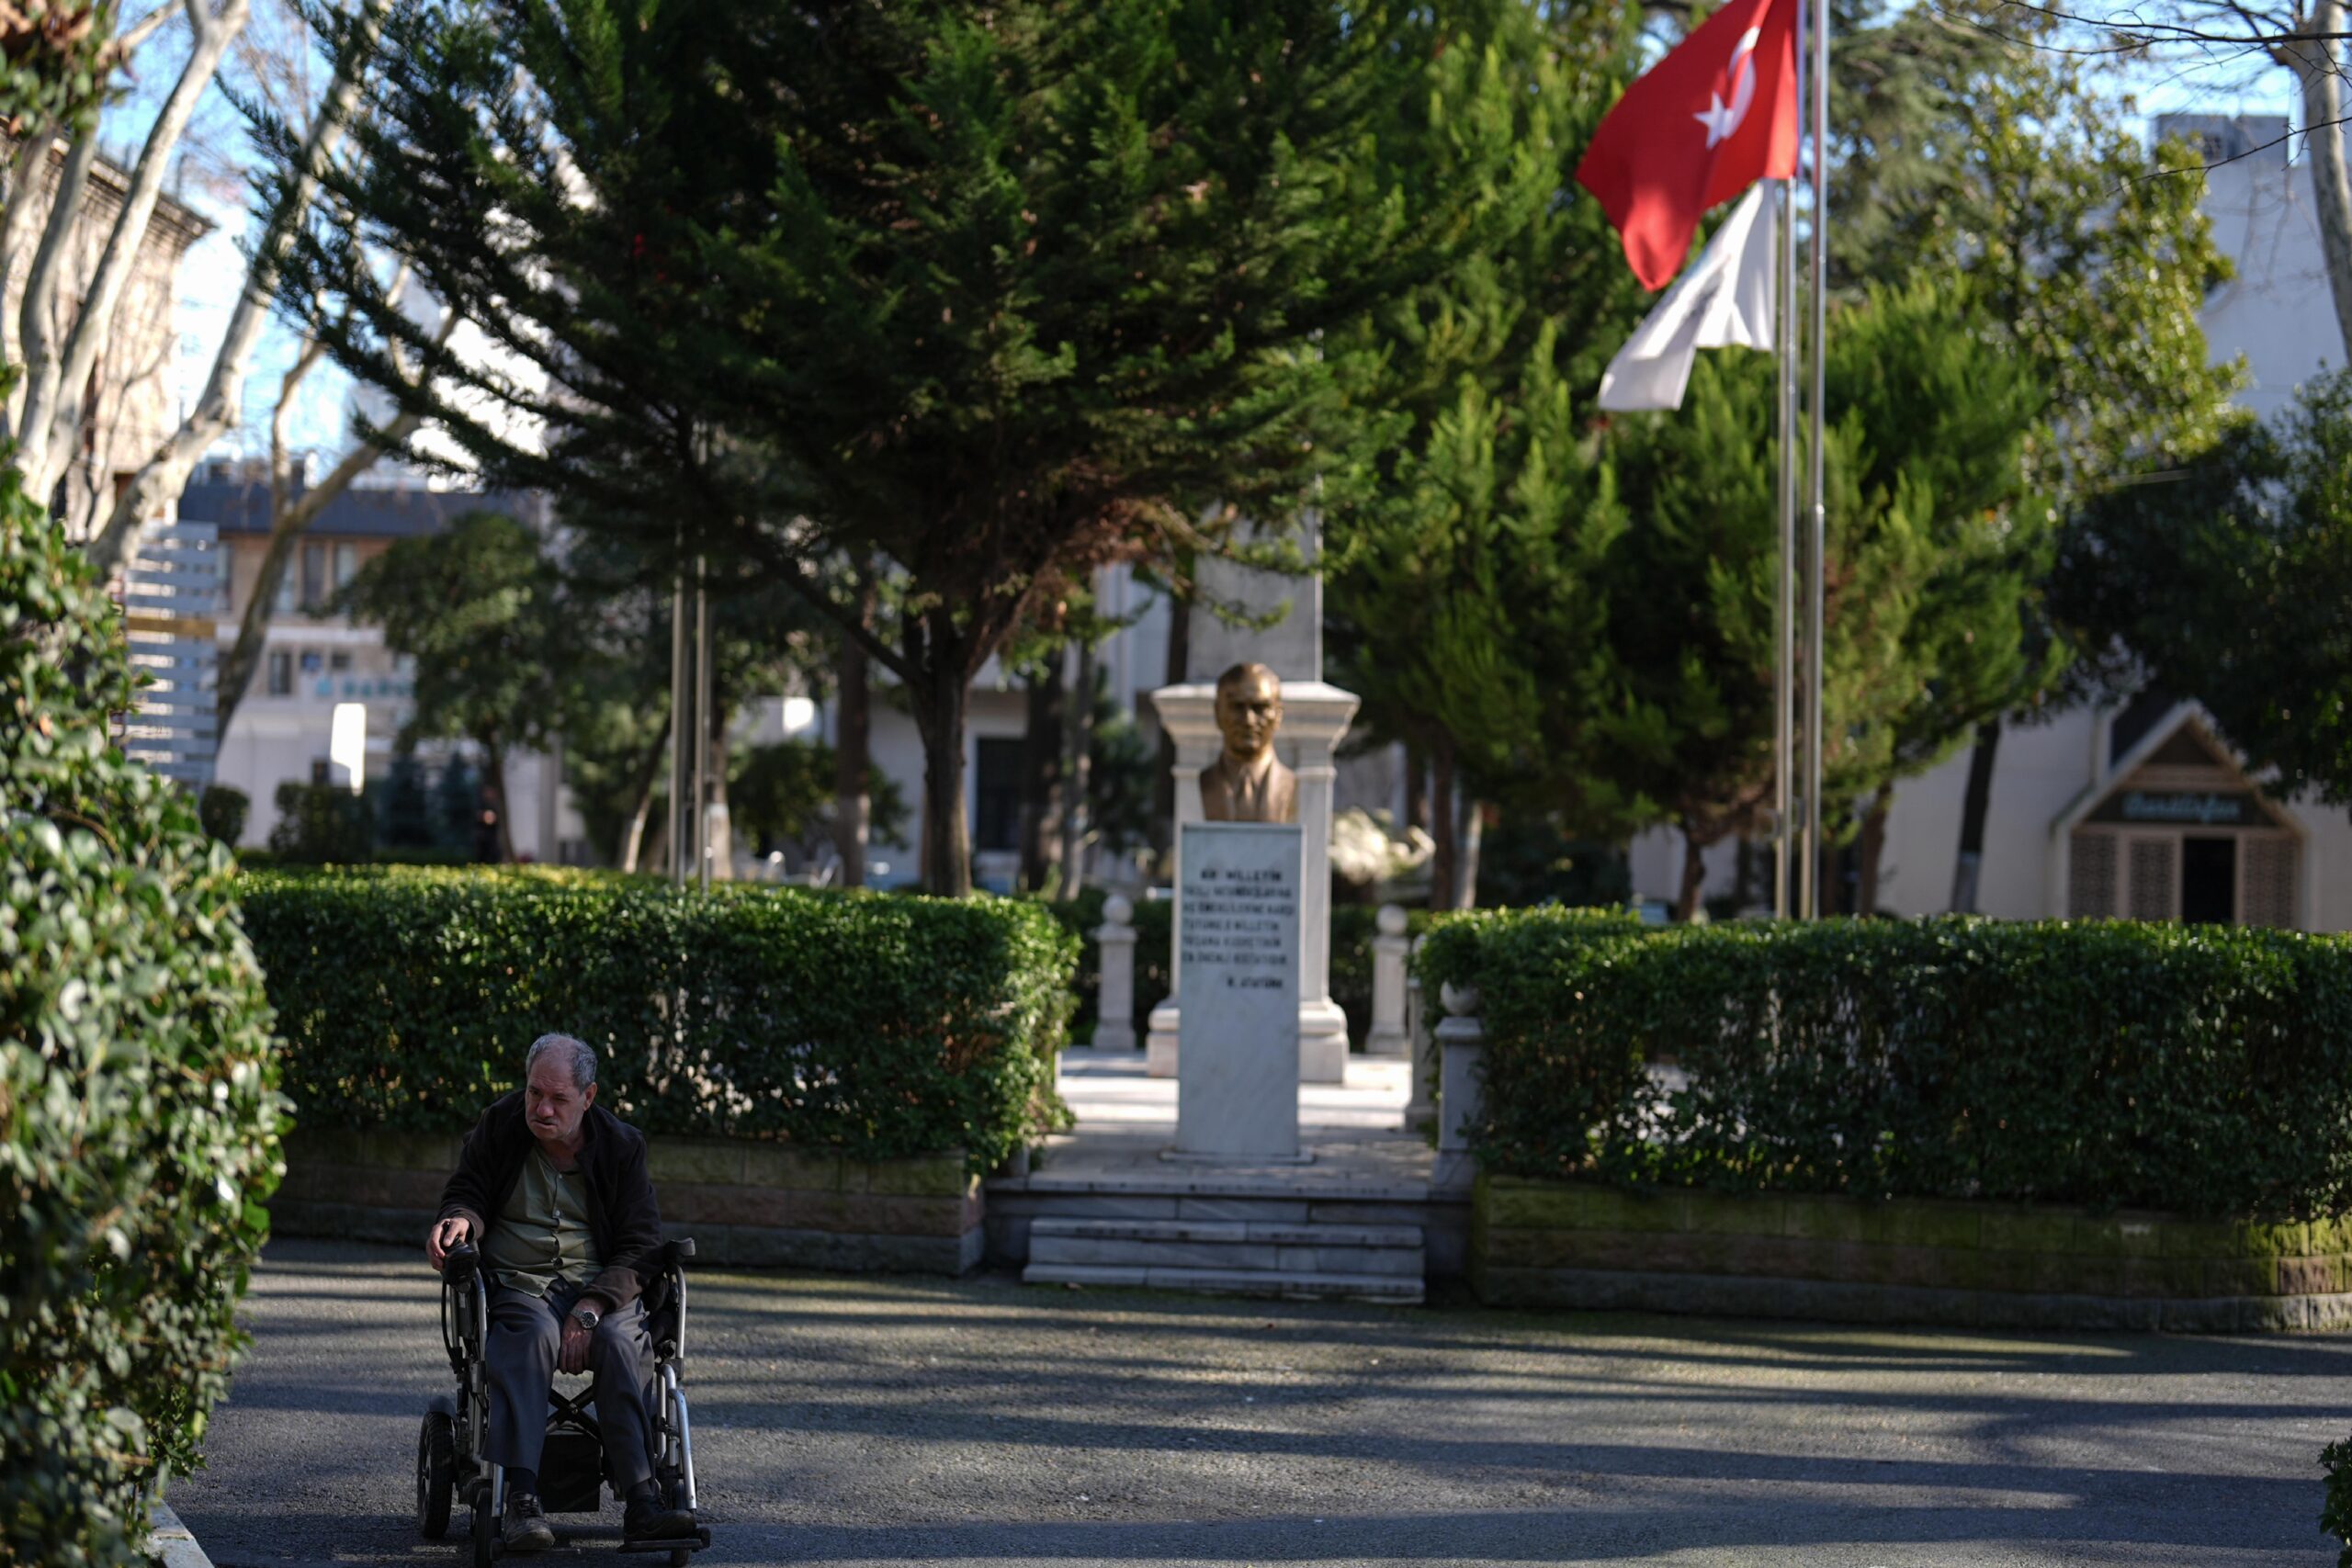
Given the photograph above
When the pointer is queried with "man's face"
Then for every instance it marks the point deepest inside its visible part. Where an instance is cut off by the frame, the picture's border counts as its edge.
(553, 1104)
(1248, 710)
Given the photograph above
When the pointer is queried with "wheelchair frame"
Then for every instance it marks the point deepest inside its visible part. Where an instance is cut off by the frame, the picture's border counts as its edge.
(449, 1464)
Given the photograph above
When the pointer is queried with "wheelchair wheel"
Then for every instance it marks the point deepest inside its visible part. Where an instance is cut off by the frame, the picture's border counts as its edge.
(485, 1531)
(437, 1473)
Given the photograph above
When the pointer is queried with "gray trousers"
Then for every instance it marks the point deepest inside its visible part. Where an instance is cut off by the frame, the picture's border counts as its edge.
(525, 1332)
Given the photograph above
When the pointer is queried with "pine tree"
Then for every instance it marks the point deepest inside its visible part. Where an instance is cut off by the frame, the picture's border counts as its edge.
(996, 294)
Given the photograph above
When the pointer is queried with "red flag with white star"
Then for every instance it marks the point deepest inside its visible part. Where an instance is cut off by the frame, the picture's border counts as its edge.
(1713, 117)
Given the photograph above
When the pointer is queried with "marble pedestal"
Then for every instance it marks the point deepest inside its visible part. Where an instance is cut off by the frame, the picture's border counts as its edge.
(1315, 719)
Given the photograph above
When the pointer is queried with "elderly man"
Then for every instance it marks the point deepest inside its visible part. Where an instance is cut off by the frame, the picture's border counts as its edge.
(552, 1188)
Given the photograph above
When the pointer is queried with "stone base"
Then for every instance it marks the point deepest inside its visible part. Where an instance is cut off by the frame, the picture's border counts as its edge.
(1322, 1043)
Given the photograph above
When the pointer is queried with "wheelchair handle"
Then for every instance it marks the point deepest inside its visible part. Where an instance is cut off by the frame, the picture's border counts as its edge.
(459, 1261)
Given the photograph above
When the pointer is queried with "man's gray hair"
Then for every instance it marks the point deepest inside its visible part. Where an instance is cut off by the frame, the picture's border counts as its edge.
(573, 1054)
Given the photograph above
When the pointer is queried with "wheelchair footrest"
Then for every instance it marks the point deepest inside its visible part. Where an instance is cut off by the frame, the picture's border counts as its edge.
(698, 1541)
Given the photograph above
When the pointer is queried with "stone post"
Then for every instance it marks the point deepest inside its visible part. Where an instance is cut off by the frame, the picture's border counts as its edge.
(1462, 1051)
(1422, 1106)
(1114, 1006)
(1315, 718)
(1387, 1037)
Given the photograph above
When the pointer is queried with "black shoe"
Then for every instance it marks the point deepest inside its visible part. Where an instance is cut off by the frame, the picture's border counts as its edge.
(645, 1519)
(527, 1528)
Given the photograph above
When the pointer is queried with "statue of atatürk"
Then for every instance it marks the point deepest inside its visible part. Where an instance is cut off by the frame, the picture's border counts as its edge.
(1247, 783)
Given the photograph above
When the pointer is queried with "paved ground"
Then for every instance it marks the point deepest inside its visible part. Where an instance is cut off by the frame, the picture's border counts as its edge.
(867, 1421)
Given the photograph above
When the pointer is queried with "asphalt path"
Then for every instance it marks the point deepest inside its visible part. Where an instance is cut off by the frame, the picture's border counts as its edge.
(855, 1421)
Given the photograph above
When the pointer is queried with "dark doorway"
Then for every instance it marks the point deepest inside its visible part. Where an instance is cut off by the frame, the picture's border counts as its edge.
(2209, 881)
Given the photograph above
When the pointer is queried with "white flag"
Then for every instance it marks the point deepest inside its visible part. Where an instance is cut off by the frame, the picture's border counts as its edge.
(1724, 300)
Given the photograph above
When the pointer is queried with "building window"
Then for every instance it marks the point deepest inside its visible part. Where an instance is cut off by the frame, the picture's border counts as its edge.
(284, 604)
(346, 563)
(314, 576)
(997, 788)
(339, 661)
(281, 672)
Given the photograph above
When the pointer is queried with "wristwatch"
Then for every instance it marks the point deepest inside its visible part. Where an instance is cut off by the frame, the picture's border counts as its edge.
(586, 1316)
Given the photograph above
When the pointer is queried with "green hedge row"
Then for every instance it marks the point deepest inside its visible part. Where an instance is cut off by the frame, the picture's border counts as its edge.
(2200, 1069)
(879, 1025)
(136, 1084)
(1352, 928)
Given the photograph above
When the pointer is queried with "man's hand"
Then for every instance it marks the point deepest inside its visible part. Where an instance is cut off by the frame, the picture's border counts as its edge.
(573, 1355)
(449, 1233)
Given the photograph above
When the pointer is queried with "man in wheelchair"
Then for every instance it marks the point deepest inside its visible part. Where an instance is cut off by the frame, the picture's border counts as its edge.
(553, 1191)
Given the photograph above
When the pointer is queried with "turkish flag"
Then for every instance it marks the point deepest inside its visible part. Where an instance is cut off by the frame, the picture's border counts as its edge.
(1713, 117)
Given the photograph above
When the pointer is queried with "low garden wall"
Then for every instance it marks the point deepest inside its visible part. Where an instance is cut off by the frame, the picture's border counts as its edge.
(1543, 1243)
(2083, 1124)
(821, 1077)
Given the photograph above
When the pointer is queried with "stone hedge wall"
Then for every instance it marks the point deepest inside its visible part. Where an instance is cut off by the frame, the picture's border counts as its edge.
(745, 1202)
(1540, 1243)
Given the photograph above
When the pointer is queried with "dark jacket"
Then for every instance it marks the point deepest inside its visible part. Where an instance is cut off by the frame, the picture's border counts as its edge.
(622, 1215)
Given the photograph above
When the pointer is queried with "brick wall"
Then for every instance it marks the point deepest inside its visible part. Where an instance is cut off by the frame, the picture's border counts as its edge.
(745, 1202)
(1562, 1244)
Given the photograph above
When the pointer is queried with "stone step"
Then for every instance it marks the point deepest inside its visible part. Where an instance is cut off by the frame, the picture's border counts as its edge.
(1298, 1285)
(1229, 1245)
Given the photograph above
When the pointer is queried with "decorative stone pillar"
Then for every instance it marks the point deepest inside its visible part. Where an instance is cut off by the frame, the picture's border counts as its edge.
(1114, 1006)
(1461, 1054)
(1422, 1108)
(1315, 718)
(1387, 1037)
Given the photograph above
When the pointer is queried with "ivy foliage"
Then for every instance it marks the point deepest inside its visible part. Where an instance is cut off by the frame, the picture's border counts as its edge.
(137, 1086)
(875, 1025)
(2194, 1068)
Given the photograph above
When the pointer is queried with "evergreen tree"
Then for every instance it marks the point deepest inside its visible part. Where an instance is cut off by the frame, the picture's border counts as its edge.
(476, 608)
(2225, 580)
(996, 294)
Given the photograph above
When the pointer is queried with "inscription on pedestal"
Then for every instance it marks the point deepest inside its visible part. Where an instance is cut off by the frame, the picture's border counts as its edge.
(1237, 924)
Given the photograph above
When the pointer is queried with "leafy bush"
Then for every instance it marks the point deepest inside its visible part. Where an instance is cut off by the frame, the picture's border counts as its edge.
(222, 810)
(875, 1024)
(2206, 1069)
(2335, 1513)
(136, 1083)
(322, 825)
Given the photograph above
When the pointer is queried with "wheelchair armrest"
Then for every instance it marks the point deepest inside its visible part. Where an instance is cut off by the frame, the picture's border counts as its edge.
(674, 1252)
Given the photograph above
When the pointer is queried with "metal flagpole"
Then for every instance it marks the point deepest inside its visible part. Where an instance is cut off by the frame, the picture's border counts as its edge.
(702, 722)
(681, 726)
(1817, 556)
(1784, 666)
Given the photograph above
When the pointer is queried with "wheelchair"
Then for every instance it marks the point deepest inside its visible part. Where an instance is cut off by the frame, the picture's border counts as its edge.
(450, 1467)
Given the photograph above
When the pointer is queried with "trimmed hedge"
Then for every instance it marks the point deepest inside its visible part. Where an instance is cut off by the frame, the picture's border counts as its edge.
(880, 1026)
(2200, 1069)
(136, 1083)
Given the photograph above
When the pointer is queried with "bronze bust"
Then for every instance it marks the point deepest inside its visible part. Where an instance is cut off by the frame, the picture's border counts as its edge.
(1248, 783)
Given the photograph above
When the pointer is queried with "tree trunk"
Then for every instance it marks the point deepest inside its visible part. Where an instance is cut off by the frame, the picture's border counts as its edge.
(1077, 776)
(1445, 827)
(719, 838)
(2314, 64)
(1416, 789)
(1974, 806)
(1870, 849)
(1163, 786)
(946, 834)
(1743, 882)
(495, 753)
(852, 751)
(649, 774)
(1043, 798)
(1694, 877)
(1473, 834)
